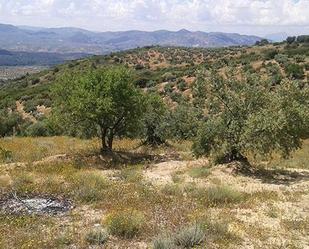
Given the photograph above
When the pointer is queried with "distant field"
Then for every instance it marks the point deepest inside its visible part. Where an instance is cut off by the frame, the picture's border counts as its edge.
(7, 73)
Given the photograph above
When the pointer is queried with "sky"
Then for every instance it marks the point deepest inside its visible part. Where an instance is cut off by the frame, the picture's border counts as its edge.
(258, 17)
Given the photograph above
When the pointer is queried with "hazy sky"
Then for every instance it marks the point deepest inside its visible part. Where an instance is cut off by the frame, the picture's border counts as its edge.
(243, 16)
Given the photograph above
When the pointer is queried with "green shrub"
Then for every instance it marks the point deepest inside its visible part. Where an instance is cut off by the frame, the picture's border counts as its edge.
(295, 71)
(125, 224)
(38, 129)
(97, 237)
(168, 88)
(89, 186)
(190, 236)
(5, 155)
(270, 54)
(222, 195)
(182, 85)
(282, 58)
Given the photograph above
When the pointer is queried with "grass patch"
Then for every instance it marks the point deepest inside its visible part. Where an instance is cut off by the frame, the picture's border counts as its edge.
(223, 195)
(126, 223)
(97, 237)
(172, 190)
(89, 187)
(130, 174)
(24, 183)
(199, 172)
(217, 195)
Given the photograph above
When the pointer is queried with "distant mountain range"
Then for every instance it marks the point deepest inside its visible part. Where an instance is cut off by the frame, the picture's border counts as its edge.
(74, 40)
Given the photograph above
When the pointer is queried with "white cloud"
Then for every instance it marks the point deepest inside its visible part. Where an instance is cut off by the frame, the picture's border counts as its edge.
(226, 15)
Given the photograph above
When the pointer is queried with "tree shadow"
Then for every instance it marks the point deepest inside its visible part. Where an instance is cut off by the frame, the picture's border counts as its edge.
(119, 159)
(271, 175)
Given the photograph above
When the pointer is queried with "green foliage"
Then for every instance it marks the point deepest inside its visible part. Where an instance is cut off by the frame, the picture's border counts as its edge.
(126, 223)
(290, 39)
(263, 42)
(155, 120)
(282, 58)
(103, 100)
(39, 129)
(303, 39)
(270, 54)
(295, 71)
(9, 123)
(251, 116)
(184, 121)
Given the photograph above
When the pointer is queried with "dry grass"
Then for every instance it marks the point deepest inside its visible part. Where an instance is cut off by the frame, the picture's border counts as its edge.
(298, 160)
(28, 149)
(163, 208)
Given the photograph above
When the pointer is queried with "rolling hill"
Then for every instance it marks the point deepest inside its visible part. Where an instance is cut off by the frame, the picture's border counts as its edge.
(74, 40)
(170, 71)
(20, 58)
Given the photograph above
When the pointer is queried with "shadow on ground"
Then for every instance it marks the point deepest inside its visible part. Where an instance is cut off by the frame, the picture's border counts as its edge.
(118, 159)
(271, 176)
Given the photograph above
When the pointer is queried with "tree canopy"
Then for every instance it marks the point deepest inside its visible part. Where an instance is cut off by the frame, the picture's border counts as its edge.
(105, 101)
(250, 116)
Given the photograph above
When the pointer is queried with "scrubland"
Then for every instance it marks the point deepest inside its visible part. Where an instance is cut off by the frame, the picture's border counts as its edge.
(142, 197)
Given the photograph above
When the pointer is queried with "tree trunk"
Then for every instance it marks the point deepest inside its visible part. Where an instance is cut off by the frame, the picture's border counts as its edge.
(103, 140)
(235, 155)
(110, 139)
(152, 139)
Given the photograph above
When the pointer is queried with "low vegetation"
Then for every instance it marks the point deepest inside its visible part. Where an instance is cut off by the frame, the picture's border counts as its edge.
(125, 223)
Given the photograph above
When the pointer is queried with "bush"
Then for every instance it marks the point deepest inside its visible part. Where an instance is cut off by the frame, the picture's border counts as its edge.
(89, 186)
(222, 195)
(38, 129)
(295, 71)
(126, 223)
(97, 237)
(168, 88)
(163, 243)
(6, 155)
(270, 54)
(282, 58)
(182, 85)
(189, 237)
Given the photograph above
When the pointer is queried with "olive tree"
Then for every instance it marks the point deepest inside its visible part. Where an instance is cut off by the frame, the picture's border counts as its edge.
(249, 116)
(105, 101)
(155, 120)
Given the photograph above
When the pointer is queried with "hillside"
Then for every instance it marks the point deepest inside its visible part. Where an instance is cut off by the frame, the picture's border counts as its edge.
(18, 58)
(73, 40)
(59, 182)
